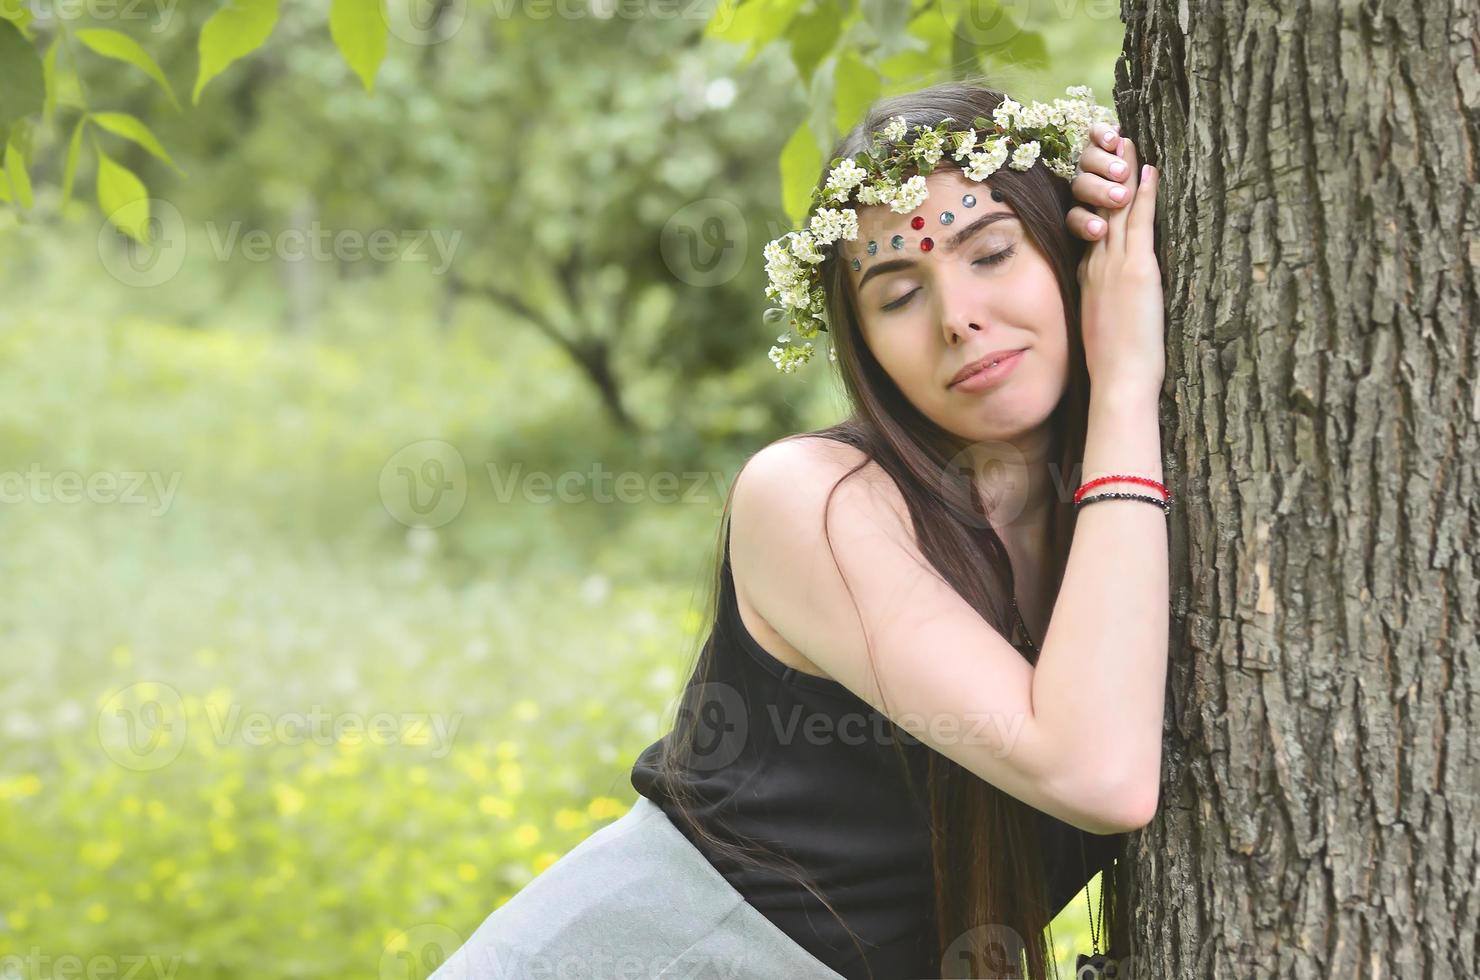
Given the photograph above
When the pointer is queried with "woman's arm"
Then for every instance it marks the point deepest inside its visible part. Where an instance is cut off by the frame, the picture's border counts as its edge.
(1099, 687)
(950, 678)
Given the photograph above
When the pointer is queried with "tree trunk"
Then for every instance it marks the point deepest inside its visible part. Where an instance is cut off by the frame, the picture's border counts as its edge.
(1322, 428)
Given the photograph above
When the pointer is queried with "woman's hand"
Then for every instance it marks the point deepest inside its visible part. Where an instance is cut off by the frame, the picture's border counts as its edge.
(1121, 311)
(1103, 173)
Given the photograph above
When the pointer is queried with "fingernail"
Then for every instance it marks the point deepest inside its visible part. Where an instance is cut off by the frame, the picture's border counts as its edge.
(1095, 226)
(1117, 168)
(1145, 172)
(1117, 193)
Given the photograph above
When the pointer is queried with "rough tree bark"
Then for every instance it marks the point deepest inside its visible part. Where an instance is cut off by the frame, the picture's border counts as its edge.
(1322, 429)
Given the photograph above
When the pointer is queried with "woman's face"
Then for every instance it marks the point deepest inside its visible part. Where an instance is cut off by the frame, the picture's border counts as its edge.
(984, 286)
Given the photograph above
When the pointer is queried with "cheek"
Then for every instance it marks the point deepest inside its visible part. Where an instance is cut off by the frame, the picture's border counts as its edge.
(905, 354)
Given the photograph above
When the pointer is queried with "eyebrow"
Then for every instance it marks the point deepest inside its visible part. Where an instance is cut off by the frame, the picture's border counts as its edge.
(951, 245)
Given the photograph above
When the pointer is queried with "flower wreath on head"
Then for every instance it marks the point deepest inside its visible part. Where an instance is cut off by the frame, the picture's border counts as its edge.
(1016, 135)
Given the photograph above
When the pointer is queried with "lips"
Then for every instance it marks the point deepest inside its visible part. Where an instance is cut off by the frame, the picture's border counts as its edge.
(981, 364)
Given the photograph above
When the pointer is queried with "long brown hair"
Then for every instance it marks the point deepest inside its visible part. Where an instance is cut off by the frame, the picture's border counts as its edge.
(986, 854)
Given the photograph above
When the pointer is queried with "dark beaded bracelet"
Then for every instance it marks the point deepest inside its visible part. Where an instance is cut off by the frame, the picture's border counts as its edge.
(1166, 508)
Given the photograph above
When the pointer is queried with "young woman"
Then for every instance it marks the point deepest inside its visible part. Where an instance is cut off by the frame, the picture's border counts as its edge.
(931, 701)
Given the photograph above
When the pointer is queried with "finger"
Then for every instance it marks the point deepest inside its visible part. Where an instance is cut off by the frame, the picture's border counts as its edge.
(1102, 193)
(1118, 218)
(1103, 163)
(1085, 223)
(1105, 134)
(1141, 221)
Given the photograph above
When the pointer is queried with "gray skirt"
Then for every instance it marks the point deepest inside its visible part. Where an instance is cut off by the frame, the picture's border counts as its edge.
(634, 901)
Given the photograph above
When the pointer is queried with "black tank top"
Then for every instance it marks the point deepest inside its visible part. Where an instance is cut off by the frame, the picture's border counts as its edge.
(807, 768)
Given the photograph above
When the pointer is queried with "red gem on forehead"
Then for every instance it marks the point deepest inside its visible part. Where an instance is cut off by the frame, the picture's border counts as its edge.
(926, 244)
(917, 222)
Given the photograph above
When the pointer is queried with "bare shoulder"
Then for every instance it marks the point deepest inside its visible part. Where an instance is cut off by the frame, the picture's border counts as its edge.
(811, 521)
(792, 479)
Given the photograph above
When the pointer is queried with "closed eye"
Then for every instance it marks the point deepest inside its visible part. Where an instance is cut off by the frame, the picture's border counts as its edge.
(993, 259)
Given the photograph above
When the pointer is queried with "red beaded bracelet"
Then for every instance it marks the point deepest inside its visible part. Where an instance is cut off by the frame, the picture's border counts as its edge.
(1087, 487)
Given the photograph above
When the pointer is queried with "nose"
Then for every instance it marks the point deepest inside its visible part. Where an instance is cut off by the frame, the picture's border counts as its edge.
(956, 334)
(961, 312)
(962, 305)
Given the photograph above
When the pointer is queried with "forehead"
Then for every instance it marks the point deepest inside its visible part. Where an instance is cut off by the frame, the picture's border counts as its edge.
(955, 201)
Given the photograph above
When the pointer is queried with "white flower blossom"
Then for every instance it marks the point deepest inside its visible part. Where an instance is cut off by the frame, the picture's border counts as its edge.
(1003, 114)
(804, 247)
(796, 297)
(1024, 156)
(988, 160)
(781, 265)
(843, 178)
(829, 225)
(788, 359)
(1061, 168)
(776, 253)
(909, 195)
(895, 130)
(875, 193)
(965, 143)
(928, 147)
(1034, 116)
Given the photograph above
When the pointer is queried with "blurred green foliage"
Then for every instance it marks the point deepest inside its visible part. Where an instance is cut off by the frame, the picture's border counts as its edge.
(576, 207)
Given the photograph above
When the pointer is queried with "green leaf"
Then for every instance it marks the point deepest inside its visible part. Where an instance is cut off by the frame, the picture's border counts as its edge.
(121, 47)
(856, 87)
(74, 151)
(132, 128)
(49, 79)
(123, 198)
(359, 28)
(18, 13)
(234, 31)
(758, 22)
(22, 78)
(15, 172)
(886, 20)
(988, 28)
(801, 162)
(1029, 49)
(966, 57)
(813, 35)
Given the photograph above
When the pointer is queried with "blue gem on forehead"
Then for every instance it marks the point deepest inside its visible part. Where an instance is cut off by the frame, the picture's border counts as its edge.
(856, 265)
(969, 201)
(873, 248)
(897, 241)
(998, 195)
(946, 217)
